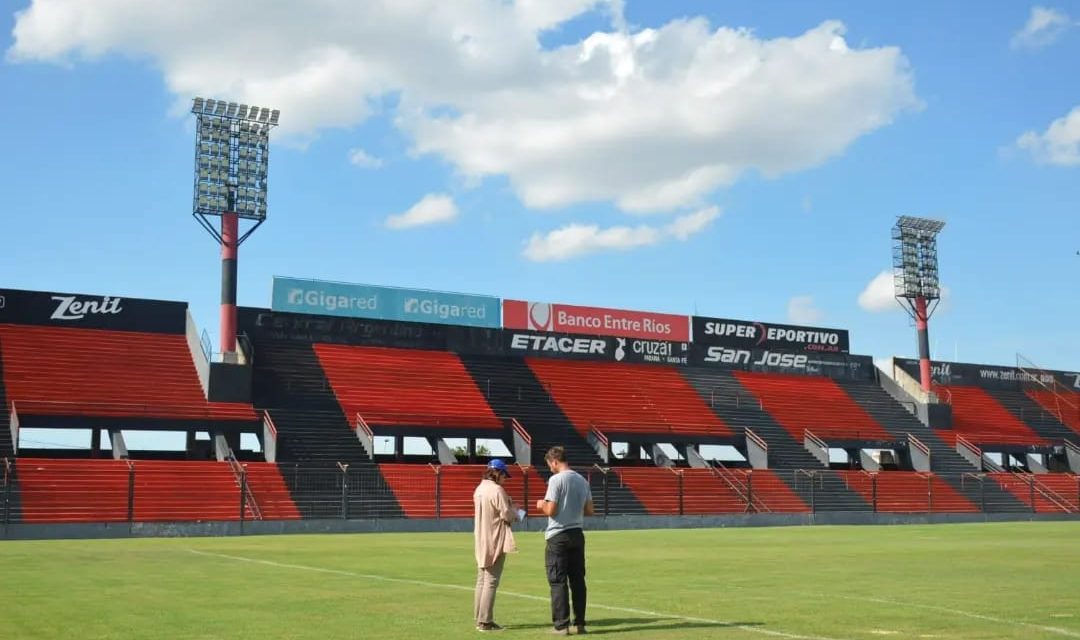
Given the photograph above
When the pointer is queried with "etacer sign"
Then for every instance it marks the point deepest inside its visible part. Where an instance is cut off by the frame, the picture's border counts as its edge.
(319, 297)
(566, 318)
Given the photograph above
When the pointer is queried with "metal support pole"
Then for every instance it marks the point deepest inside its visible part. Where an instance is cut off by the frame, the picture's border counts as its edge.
(1031, 492)
(921, 323)
(813, 494)
(982, 495)
(873, 486)
(131, 494)
(7, 497)
(345, 494)
(929, 494)
(243, 494)
(229, 252)
(525, 481)
(607, 501)
(750, 491)
(681, 497)
(438, 494)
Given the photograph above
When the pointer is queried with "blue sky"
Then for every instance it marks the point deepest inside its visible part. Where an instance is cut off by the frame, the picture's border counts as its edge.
(647, 156)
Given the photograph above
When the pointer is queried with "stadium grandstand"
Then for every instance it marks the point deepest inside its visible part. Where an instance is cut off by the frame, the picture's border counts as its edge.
(390, 418)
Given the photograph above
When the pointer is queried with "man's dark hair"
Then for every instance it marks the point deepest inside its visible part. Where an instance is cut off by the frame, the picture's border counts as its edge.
(492, 474)
(556, 454)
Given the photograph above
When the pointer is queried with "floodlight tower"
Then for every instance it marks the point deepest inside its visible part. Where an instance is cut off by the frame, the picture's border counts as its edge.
(915, 278)
(231, 156)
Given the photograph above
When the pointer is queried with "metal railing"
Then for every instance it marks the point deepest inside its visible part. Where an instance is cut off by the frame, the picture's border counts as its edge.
(181, 411)
(9, 471)
(247, 497)
(737, 398)
(816, 446)
(59, 491)
(13, 423)
(126, 491)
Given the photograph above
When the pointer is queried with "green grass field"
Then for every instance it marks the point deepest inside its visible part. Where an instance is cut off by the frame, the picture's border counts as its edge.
(946, 581)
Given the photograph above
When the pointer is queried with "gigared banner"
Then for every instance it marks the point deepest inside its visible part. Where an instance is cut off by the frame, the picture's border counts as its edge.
(565, 318)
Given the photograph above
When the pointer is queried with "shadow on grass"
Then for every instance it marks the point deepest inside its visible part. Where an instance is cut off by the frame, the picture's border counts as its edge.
(601, 626)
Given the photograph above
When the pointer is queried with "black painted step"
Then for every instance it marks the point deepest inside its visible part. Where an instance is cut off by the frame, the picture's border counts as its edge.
(513, 391)
(1031, 413)
(944, 459)
(314, 436)
(740, 409)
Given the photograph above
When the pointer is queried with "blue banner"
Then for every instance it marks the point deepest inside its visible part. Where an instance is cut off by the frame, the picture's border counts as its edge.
(318, 297)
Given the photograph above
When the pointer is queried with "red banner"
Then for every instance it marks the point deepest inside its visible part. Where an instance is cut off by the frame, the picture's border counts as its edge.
(565, 318)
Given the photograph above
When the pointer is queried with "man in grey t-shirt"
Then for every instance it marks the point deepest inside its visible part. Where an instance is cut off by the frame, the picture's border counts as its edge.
(567, 502)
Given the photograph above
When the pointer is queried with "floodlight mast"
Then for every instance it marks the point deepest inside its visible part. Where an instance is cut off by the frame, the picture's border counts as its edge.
(232, 153)
(915, 279)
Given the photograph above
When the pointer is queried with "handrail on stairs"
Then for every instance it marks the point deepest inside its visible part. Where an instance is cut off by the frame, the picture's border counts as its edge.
(240, 473)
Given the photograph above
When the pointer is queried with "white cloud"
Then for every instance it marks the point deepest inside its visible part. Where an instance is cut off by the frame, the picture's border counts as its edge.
(432, 209)
(1043, 28)
(878, 296)
(801, 310)
(649, 118)
(363, 159)
(576, 240)
(1058, 145)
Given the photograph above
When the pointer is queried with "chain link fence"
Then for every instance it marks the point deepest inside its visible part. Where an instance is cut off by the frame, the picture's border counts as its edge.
(433, 491)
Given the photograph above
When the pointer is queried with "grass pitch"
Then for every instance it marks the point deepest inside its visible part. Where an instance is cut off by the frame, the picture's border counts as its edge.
(947, 581)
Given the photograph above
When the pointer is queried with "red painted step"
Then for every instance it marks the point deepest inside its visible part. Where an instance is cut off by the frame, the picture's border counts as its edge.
(413, 387)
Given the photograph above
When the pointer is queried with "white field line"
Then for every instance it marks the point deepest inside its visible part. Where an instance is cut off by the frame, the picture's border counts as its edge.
(524, 596)
(957, 612)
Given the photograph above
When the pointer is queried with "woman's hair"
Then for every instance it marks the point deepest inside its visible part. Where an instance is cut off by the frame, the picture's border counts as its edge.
(492, 474)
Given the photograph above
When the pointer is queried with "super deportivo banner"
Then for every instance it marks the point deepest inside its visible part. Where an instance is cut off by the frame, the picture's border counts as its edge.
(598, 321)
(295, 295)
(744, 334)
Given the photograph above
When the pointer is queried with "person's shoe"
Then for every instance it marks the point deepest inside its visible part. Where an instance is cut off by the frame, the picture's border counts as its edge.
(580, 629)
(488, 626)
(565, 631)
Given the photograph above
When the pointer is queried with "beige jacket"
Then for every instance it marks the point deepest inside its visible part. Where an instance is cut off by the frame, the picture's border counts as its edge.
(492, 514)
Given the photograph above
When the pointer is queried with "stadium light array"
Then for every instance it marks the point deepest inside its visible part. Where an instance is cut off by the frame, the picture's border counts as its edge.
(916, 282)
(232, 154)
(915, 258)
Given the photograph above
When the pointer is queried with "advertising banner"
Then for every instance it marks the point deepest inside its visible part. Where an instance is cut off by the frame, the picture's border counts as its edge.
(581, 347)
(264, 325)
(742, 334)
(838, 366)
(597, 321)
(316, 297)
(92, 311)
(988, 376)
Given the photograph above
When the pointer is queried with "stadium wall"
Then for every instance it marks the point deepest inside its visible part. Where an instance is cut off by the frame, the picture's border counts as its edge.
(465, 525)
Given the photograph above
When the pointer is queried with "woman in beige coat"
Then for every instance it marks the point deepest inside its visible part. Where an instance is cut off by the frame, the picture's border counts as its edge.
(493, 511)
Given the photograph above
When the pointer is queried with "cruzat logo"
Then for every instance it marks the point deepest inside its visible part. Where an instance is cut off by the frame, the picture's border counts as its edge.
(70, 308)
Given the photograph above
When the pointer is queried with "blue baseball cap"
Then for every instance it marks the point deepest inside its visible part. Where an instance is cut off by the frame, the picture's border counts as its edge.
(499, 466)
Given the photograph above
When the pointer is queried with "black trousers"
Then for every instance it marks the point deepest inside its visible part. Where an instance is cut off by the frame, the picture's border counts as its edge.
(565, 558)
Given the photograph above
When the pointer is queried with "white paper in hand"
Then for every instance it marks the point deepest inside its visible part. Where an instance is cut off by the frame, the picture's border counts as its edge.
(521, 514)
